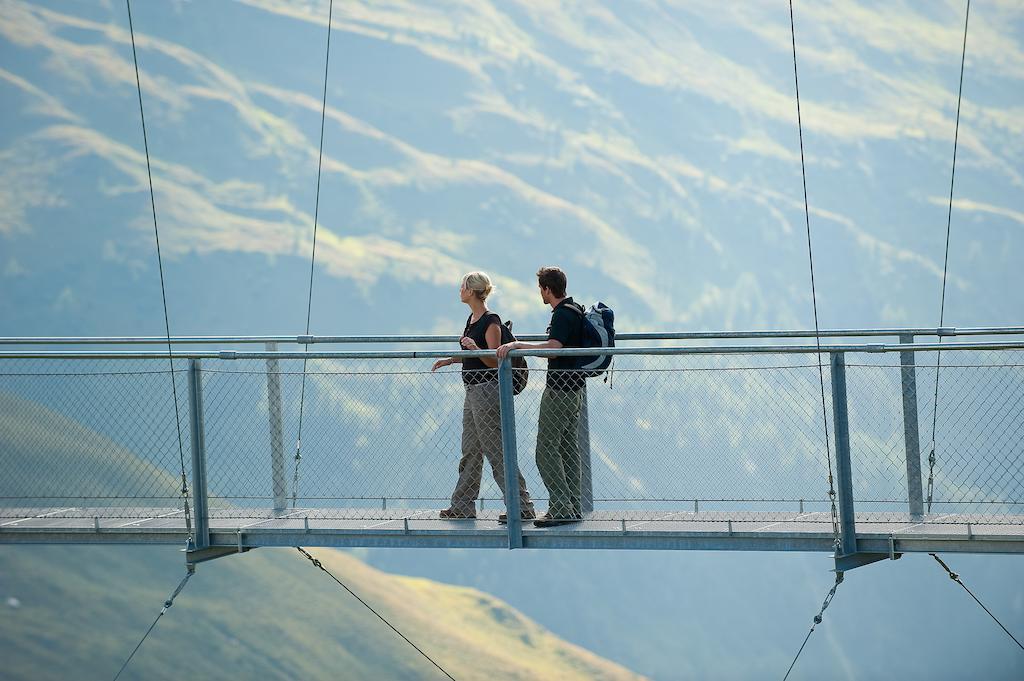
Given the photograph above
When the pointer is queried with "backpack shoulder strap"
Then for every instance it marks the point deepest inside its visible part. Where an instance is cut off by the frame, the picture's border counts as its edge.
(577, 308)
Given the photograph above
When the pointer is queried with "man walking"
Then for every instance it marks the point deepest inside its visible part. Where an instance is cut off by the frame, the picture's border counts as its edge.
(558, 457)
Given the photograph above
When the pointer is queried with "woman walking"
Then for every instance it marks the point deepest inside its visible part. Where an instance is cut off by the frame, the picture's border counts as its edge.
(481, 412)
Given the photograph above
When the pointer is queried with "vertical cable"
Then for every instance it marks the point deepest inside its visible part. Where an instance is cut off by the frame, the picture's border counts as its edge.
(163, 290)
(312, 260)
(945, 261)
(814, 296)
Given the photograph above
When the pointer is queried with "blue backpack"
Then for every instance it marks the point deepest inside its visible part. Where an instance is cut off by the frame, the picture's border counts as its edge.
(598, 332)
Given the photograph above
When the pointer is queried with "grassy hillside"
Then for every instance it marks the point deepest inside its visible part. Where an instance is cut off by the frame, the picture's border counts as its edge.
(268, 614)
(75, 612)
(48, 454)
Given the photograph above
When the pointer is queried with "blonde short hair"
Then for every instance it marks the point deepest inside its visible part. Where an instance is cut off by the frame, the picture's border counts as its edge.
(479, 283)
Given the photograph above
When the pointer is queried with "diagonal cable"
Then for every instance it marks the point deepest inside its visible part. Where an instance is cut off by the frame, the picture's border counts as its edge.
(956, 578)
(817, 620)
(318, 564)
(945, 261)
(167, 605)
(163, 290)
(814, 296)
(312, 260)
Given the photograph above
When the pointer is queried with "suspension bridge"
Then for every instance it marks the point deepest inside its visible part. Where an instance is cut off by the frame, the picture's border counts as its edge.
(706, 446)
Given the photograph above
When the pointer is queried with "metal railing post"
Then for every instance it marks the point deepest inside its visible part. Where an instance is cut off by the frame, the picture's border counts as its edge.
(508, 452)
(586, 477)
(844, 478)
(277, 469)
(199, 493)
(911, 433)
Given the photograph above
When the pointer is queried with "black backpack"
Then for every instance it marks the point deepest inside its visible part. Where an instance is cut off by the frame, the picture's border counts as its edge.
(520, 369)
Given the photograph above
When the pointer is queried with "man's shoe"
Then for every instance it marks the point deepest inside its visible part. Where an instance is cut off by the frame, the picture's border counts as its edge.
(525, 515)
(455, 514)
(547, 521)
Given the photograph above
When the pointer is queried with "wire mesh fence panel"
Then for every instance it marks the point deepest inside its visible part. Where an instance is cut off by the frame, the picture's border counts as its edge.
(978, 417)
(91, 438)
(379, 437)
(674, 437)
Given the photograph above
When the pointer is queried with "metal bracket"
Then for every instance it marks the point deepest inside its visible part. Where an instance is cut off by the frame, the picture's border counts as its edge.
(855, 560)
(212, 553)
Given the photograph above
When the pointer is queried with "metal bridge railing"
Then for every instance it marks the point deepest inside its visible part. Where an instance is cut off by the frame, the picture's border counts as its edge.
(726, 435)
(307, 339)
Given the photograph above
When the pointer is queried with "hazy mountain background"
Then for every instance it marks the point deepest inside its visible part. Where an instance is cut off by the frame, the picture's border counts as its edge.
(650, 148)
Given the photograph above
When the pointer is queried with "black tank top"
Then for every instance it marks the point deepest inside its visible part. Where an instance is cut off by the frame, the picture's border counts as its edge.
(474, 371)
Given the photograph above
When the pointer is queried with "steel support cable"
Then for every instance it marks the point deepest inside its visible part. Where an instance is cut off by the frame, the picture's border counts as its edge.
(318, 564)
(167, 605)
(817, 620)
(956, 578)
(814, 296)
(945, 261)
(817, 339)
(163, 290)
(312, 260)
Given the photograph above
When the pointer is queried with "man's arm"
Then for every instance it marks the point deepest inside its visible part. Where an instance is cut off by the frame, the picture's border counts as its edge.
(551, 344)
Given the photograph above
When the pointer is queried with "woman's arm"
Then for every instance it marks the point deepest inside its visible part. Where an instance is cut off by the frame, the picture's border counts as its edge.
(446, 362)
(493, 336)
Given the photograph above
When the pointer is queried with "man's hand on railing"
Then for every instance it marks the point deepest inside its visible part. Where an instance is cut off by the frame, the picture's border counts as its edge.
(550, 344)
(503, 350)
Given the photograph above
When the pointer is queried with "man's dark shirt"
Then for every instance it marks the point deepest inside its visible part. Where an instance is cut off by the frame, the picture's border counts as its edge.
(566, 328)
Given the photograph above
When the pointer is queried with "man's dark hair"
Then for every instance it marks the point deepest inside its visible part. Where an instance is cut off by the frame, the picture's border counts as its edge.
(554, 279)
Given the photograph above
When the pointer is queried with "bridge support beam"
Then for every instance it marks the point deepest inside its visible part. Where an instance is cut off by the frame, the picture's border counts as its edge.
(911, 433)
(506, 400)
(199, 495)
(847, 557)
(844, 475)
(277, 469)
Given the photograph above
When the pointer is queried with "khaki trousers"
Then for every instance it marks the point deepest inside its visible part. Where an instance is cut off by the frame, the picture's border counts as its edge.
(481, 437)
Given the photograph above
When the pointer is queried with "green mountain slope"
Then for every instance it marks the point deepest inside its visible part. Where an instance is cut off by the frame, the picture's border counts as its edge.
(75, 612)
(48, 456)
(268, 614)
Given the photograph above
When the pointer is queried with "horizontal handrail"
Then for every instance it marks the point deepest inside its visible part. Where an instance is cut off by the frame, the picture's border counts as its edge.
(563, 352)
(945, 331)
